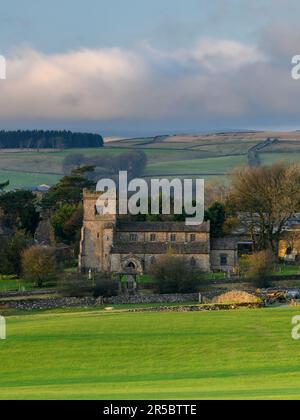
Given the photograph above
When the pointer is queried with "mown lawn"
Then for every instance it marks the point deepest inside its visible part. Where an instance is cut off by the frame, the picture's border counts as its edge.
(10, 283)
(96, 355)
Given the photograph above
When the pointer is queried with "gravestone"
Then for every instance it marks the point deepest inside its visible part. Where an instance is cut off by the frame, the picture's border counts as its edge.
(2, 328)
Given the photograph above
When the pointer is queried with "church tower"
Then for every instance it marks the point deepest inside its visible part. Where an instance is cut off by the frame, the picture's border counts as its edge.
(97, 234)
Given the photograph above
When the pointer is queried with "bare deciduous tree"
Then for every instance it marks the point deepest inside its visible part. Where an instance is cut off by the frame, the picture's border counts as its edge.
(265, 198)
(215, 191)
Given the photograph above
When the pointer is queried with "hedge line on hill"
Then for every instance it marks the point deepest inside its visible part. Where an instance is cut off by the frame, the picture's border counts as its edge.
(39, 139)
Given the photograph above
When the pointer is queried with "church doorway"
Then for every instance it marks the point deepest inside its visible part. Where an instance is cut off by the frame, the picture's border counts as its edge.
(128, 277)
(131, 265)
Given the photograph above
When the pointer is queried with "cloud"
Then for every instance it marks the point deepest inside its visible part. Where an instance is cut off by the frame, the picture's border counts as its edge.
(86, 83)
(216, 56)
(232, 55)
(217, 79)
(282, 41)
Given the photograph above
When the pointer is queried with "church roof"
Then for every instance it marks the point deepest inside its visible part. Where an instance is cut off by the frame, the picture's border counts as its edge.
(161, 227)
(230, 243)
(160, 248)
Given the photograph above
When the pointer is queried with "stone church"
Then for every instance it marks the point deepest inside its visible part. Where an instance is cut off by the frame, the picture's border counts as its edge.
(112, 245)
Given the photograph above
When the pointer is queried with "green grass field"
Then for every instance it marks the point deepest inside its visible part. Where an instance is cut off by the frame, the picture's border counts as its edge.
(197, 166)
(27, 179)
(206, 156)
(10, 283)
(95, 355)
(270, 158)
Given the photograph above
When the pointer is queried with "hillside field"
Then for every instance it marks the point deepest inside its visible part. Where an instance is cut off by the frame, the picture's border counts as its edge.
(119, 355)
(207, 156)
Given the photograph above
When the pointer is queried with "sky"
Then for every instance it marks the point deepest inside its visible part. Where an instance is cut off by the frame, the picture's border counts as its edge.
(137, 67)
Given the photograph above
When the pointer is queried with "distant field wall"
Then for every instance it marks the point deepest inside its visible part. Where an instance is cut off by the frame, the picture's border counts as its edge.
(209, 156)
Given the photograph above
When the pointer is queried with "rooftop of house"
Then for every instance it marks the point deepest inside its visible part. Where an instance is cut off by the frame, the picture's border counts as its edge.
(160, 248)
(162, 227)
(40, 188)
(229, 243)
(224, 243)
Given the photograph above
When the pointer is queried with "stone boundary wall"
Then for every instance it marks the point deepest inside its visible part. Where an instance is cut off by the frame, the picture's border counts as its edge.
(186, 302)
(138, 299)
(70, 302)
(200, 308)
(55, 303)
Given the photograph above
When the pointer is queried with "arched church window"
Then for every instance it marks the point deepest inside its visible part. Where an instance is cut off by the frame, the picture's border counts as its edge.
(193, 262)
(152, 260)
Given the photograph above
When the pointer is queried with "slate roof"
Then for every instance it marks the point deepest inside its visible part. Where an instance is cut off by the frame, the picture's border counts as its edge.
(161, 227)
(224, 243)
(160, 248)
(228, 243)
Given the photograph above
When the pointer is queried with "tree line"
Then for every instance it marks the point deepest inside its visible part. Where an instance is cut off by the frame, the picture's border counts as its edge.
(40, 139)
(134, 162)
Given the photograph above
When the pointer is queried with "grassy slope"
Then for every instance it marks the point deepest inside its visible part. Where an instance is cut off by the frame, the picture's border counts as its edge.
(249, 354)
(270, 158)
(25, 179)
(192, 156)
(194, 166)
(32, 168)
